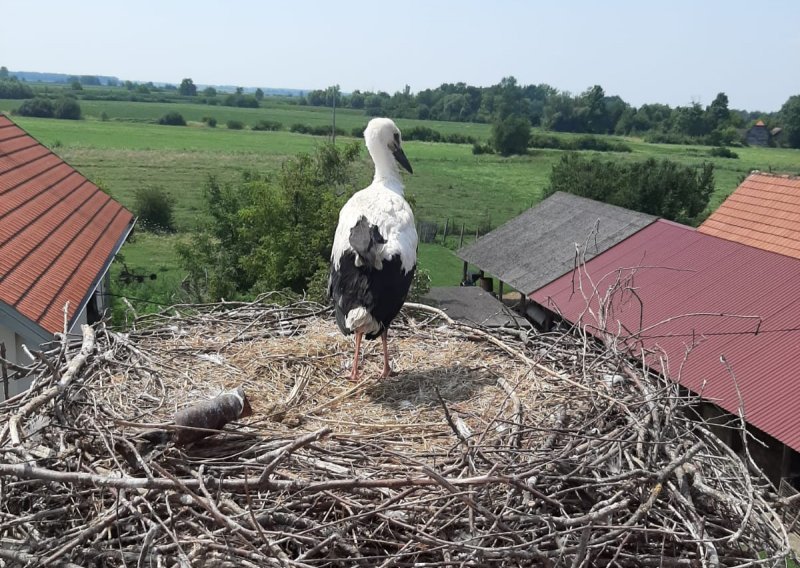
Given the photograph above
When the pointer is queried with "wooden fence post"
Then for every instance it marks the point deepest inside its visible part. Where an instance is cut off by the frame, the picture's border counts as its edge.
(444, 237)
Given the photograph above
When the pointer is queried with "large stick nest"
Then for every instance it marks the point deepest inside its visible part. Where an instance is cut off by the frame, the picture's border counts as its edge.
(502, 449)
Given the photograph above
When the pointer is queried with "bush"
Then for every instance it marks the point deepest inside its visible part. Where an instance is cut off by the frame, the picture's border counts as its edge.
(358, 132)
(235, 125)
(271, 233)
(240, 100)
(722, 152)
(478, 148)
(314, 130)
(13, 89)
(658, 187)
(511, 134)
(456, 138)
(38, 106)
(67, 108)
(422, 133)
(155, 209)
(669, 138)
(172, 118)
(210, 121)
(579, 143)
(270, 125)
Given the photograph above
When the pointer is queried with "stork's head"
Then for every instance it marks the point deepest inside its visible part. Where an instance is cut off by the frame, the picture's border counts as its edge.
(384, 144)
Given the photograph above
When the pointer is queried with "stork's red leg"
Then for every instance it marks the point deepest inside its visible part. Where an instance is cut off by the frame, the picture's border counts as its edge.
(354, 372)
(387, 370)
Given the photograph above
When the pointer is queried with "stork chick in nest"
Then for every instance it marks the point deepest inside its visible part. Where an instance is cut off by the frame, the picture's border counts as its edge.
(375, 247)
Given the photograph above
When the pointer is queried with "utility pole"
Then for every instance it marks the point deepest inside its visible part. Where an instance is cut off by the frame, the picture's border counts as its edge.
(334, 114)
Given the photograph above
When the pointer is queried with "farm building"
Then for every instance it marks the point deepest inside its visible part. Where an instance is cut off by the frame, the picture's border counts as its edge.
(758, 135)
(544, 242)
(58, 235)
(720, 317)
(764, 212)
(474, 306)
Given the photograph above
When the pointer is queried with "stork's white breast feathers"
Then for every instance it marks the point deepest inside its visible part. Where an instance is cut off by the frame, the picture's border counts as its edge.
(390, 213)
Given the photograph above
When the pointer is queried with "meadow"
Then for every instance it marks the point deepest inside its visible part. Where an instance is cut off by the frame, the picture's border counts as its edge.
(127, 150)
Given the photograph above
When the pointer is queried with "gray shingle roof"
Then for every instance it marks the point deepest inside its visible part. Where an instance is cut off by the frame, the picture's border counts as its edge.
(472, 305)
(539, 245)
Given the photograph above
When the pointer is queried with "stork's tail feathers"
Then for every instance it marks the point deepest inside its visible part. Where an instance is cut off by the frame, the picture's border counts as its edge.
(367, 242)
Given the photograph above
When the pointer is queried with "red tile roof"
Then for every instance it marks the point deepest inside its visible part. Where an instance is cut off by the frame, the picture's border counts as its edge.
(764, 212)
(58, 231)
(687, 289)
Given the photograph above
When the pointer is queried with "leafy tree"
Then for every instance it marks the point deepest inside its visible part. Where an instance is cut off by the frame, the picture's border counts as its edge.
(663, 188)
(209, 92)
(75, 85)
(270, 233)
(68, 108)
(790, 118)
(3, 72)
(187, 88)
(510, 135)
(38, 106)
(691, 120)
(13, 89)
(259, 94)
(155, 207)
(717, 113)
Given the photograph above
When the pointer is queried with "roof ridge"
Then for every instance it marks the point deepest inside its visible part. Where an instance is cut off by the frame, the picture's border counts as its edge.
(770, 174)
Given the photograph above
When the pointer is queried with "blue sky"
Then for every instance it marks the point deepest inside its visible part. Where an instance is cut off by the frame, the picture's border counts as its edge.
(672, 52)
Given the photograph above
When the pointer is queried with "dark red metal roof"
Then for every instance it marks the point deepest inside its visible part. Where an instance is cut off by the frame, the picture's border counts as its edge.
(696, 298)
(58, 231)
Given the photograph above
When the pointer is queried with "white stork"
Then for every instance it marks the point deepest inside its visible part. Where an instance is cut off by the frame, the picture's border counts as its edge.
(375, 247)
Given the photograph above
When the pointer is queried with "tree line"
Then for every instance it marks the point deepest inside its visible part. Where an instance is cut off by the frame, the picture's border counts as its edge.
(590, 112)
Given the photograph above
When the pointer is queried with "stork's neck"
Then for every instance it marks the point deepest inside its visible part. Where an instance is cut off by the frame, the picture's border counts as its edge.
(386, 172)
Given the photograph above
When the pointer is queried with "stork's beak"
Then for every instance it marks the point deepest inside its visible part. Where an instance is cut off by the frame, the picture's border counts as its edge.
(400, 156)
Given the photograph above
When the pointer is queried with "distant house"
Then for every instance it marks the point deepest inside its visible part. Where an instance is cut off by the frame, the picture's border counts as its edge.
(758, 135)
(58, 235)
(763, 212)
(720, 317)
(548, 239)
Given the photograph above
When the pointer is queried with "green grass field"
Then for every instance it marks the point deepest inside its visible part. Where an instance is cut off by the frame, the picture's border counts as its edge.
(449, 182)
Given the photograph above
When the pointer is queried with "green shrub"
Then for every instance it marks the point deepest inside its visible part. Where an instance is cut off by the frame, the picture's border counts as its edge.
(38, 106)
(67, 108)
(235, 125)
(13, 89)
(511, 134)
(423, 134)
(587, 142)
(722, 152)
(210, 121)
(478, 148)
(155, 208)
(658, 187)
(270, 125)
(172, 118)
